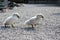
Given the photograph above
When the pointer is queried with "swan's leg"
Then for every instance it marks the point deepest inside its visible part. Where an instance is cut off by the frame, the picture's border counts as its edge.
(32, 25)
(5, 26)
(12, 26)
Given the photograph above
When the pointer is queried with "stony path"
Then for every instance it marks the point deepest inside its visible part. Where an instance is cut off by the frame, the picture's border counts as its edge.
(49, 31)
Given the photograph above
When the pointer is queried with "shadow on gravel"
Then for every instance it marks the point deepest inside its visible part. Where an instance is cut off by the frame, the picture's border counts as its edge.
(3, 27)
(56, 14)
(28, 28)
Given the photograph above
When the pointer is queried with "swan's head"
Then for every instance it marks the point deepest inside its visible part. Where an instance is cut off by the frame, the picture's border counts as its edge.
(40, 16)
(16, 14)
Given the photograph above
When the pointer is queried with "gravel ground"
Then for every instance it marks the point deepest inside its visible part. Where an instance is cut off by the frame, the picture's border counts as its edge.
(49, 28)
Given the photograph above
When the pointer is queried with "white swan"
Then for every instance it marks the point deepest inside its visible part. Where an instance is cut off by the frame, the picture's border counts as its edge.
(11, 19)
(34, 20)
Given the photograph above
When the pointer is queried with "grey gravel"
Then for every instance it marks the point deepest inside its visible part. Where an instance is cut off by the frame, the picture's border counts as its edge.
(49, 28)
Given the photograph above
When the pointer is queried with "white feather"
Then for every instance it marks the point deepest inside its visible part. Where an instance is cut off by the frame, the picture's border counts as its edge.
(10, 20)
(34, 20)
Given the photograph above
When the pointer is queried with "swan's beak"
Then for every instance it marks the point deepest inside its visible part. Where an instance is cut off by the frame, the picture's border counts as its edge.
(18, 16)
(42, 17)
